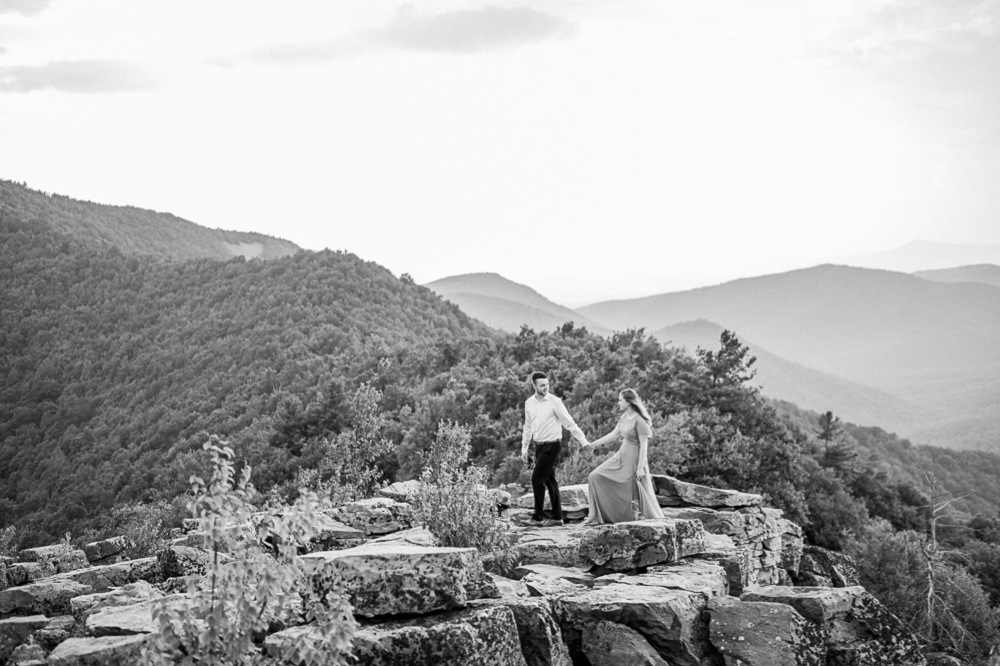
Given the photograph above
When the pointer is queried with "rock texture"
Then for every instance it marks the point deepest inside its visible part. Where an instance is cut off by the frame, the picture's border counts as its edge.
(49, 596)
(819, 567)
(378, 515)
(108, 551)
(757, 633)
(106, 651)
(674, 492)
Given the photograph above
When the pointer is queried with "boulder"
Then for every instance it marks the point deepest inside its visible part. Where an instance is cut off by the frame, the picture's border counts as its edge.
(559, 546)
(670, 620)
(481, 635)
(375, 515)
(176, 561)
(610, 644)
(15, 630)
(108, 551)
(335, 535)
(546, 586)
(103, 578)
(136, 618)
(196, 539)
(62, 557)
(674, 492)
(755, 633)
(399, 491)
(22, 573)
(509, 589)
(819, 567)
(627, 546)
(706, 578)
(792, 544)
(55, 632)
(49, 596)
(83, 606)
(857, 628)
(572, 574)
(539, 634)
(415, 536)
(391, 578)
(103, 651)
(572, 499)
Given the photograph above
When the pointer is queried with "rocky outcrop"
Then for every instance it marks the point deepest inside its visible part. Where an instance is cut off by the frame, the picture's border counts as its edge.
(60, 557)
(15, 631)
(758, 633)
(574, 501)
(824, 568)
(374, 516)
(108, 551)
(391, 579)
(674, 492)
(611, 644)
(105, 651)
(49, 596)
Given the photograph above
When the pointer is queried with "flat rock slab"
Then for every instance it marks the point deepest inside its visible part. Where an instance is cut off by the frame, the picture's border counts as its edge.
(572, 574)
(415, 536)
(373, 516)
(107, 550)
(544, 586)
(757, 633)
(641, 543)
(22, 573)
(706, 578)
(399, 491)
(558, 546)
(691, 494)
(15, 630)
(176, 561)
(611, 644)
(819, 567)
(135, 618)
(104, 651)
(55, 632)
(670, 620)
(476, 636)
(49, 596)
(572, 498)
(103, 578)
(391, 578)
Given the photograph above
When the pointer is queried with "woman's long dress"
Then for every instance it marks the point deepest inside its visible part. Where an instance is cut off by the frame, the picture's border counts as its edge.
(613, 486)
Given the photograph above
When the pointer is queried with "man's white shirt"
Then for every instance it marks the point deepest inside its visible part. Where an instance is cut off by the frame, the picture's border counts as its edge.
(544, 420)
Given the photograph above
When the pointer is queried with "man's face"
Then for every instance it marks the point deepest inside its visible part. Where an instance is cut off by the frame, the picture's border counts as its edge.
(541, 387)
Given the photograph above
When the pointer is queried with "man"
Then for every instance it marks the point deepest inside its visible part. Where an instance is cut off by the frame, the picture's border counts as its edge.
(544, 418)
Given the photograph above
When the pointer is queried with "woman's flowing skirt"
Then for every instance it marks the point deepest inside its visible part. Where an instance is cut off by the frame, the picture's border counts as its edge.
(613, 487)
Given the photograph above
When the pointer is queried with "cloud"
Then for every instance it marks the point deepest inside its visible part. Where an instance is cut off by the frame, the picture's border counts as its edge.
(78, 76)
(463, 31)
(24, 7)
(471, 30)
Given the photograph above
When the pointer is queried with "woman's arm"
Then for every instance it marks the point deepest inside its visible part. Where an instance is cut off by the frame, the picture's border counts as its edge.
(610, 437)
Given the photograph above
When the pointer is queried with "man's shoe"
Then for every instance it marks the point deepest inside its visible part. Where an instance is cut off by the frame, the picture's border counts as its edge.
(553, 522)
(534, 523)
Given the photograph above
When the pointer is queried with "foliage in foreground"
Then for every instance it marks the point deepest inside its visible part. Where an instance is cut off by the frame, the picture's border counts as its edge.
(454, 503)
(249, 588)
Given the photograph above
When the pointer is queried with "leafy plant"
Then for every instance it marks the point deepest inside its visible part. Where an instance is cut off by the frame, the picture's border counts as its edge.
(255, 588)
(454, 503)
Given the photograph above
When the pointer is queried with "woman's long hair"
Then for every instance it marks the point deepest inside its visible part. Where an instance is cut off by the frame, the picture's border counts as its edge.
(635, 402)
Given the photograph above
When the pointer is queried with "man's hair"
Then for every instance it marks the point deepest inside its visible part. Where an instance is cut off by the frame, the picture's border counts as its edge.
(535, 376)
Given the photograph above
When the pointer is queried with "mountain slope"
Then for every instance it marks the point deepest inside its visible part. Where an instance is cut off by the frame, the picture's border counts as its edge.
(135, 230)
(810, 389)
(113, 367)
(929, 343)
(985, 273)
(507, 305)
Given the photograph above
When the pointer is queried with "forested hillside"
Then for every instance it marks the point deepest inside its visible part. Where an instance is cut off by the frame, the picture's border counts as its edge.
(111, 366)
(134, 230)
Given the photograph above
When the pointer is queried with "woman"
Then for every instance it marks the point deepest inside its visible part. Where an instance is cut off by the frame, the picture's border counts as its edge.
(624, 477)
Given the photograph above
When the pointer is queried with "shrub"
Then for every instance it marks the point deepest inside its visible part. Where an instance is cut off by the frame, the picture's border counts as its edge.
(258, 588)
(9, 539)
(145, 524)
(454, 503)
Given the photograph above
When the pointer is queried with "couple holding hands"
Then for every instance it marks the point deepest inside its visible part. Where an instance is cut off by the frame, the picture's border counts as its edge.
(620, 481)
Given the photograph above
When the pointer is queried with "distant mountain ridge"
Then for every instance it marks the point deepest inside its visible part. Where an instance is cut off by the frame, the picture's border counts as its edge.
(136, 230)
(922, 255)
(985, 273)
(508, 305)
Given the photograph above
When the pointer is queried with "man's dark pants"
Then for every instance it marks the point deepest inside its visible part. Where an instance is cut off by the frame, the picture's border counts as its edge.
(543, 478)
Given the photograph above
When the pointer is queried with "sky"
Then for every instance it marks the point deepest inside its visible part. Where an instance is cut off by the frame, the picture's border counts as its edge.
(589, 148)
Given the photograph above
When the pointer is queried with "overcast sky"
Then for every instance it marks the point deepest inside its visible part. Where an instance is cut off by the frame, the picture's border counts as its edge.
(588, 148)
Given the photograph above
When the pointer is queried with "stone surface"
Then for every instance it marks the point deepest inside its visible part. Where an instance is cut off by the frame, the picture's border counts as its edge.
(539, 634)
(546, 586)
(681, 493)
(108, 551)
(55, 632)
(27, 653)
(482, 635)
(754, 633)
(61, 557)
(135, 618)
(392, 578)
(824, 568)
(335, 535)
(175, 561)
(22, 573)
(509, 588)
(415, 536)
(49, 596)
(792, 544)
(399, 491)
(705, 578)
(857, 628)
(572, 498)
(103, 578)
(610, 644)
(373, 516)
(559, 546)
(670, 620)
(15, 630)
(626, 546)
(104, 651)
(572, 574)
